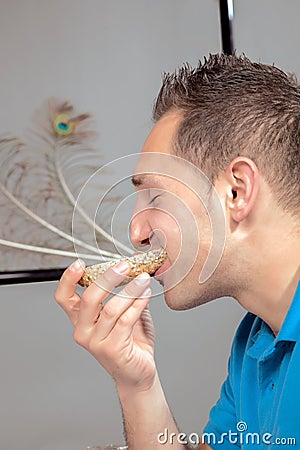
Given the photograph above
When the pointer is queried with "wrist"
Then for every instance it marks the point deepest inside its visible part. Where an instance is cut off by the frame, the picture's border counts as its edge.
(135, 392)
(139, 402)
(144, 409)
(146, 415)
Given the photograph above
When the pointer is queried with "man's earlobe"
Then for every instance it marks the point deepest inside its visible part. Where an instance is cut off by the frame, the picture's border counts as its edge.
(242, 174)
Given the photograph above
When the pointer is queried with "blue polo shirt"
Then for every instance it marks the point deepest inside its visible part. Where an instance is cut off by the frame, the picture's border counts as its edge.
(259, 405)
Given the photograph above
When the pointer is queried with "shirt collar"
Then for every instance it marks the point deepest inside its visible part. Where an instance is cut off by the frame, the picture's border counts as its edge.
(290, 329)
(264, 338)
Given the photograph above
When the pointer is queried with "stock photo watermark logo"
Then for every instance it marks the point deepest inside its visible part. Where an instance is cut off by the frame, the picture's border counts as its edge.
(177, 184)
(241, 436)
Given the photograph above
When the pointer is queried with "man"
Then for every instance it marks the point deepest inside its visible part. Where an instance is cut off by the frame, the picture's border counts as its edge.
(239, 123)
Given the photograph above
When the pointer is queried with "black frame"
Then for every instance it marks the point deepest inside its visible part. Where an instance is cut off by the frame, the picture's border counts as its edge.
(30, 276)
(226, 19)
(34, 276)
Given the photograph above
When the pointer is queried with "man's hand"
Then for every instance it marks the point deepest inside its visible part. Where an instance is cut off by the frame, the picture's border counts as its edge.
(119, 334)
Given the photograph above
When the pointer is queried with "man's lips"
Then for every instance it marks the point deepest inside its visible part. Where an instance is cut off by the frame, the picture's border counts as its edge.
(161, 269)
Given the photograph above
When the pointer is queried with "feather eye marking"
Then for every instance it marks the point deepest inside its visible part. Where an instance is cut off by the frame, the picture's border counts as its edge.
(63, 125)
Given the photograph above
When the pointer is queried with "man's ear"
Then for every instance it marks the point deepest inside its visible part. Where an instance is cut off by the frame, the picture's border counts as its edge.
(242, 187)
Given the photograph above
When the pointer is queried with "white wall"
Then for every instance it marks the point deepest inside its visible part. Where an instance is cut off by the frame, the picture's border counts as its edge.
(107, 57)
(268, 30)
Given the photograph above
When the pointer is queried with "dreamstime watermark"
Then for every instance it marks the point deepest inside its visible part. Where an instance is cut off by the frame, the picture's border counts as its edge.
(241, 436)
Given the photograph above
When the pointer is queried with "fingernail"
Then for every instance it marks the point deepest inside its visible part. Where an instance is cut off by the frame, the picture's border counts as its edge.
(142, 279)
(121, 267)
(146, 293)
(77, 265)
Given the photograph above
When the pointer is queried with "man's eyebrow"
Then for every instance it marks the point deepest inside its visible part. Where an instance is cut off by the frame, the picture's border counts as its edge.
(139, 180)
(136, 180)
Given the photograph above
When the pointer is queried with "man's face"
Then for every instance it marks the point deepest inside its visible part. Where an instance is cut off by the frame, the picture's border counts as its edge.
(173, 211)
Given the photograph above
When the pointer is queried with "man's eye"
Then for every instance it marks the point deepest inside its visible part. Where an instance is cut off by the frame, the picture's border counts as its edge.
(153, 199)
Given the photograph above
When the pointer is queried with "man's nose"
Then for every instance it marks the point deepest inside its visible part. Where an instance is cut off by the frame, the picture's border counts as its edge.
(140, 230)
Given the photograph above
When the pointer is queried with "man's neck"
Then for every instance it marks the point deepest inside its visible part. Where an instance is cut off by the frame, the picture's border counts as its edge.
(270, 291)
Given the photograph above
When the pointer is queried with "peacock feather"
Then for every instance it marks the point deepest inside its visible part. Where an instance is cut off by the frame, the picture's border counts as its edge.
(40, 179)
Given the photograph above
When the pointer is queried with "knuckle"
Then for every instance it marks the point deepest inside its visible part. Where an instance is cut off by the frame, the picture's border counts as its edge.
(88, 299)
(57, 298)
(76, 336)
(79, 337)
(108, 280)
(131, 290)
(85, 297)
(111, 278)
(67, 276)
(108, 311)
(106, 277)
(124, 320)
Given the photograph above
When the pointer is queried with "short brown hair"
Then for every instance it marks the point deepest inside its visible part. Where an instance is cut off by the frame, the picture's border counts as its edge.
(232, 106)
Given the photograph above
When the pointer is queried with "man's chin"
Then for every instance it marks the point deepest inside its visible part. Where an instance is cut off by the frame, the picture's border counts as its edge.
(177, 298)
(173, 299)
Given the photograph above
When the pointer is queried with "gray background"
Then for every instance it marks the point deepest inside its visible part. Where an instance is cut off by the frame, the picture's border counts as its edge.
(107, 57)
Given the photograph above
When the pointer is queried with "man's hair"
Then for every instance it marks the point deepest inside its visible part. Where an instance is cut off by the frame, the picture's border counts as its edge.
(233, 107)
